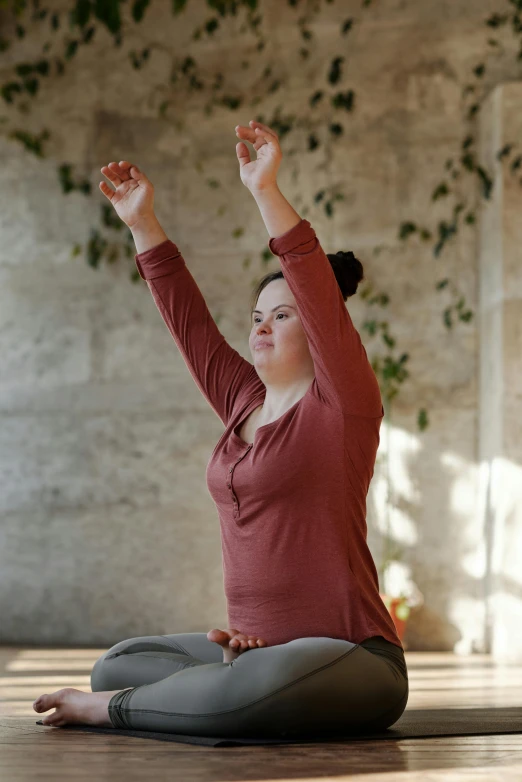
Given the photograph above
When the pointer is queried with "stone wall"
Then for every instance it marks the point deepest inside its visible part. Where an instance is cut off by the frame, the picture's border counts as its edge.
(107, 528)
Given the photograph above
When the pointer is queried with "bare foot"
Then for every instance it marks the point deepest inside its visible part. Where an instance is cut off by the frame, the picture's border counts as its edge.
(234, 643)
(76, 707)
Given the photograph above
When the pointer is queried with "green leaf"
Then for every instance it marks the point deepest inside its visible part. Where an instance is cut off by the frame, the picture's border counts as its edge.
(110, 218)
(422, 419)
(138, 9)
(23, 69)
(405, 229)
(32, 86)
(178, 6)
(8, 90)
(313, 142)
(81, 13)
(334, 74)
(70, 49)
(42, 67)
(316, 97)
(496, 20)
(466, 316)
(440, 190)
(108, 12)
(344, 100)
(88, 34)
(487, 182)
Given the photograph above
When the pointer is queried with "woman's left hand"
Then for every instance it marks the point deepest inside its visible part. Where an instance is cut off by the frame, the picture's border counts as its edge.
(258, 174)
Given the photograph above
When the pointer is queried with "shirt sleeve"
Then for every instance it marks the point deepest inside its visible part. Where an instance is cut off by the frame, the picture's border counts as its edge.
(219, 371)
(344, 376)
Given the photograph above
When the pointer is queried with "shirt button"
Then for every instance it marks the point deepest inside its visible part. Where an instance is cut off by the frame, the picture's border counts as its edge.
(230, 469)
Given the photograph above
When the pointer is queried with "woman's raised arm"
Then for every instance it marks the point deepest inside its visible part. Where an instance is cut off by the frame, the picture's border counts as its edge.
(220, 372)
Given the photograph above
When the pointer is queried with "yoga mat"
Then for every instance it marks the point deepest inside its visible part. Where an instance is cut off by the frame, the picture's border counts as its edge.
(413, 724)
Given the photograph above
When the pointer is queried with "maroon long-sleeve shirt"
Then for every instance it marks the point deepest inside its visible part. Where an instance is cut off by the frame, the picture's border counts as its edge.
(292, 504)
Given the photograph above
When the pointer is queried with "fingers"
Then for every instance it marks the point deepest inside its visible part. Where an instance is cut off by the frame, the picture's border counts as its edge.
(269, 135)
(104, 187)
(255, 131)
(243, 155)
(246, 134)
(255, 124)
(114, 174)
(134, 172)
(121, 172)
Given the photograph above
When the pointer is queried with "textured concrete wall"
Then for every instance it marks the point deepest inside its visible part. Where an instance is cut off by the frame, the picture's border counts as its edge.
(107, 528)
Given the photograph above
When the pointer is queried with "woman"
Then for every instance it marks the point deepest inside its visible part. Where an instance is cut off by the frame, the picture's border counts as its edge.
(311, 649)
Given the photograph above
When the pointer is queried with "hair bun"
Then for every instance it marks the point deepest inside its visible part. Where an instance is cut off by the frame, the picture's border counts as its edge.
(348, 271)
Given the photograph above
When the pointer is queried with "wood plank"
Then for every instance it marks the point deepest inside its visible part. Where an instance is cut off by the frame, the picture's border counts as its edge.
(437, 680)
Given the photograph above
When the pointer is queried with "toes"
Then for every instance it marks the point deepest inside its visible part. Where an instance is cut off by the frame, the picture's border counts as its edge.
(40, 703)
(55, 720)
(218, 636)
(50, 719)
(46, 702)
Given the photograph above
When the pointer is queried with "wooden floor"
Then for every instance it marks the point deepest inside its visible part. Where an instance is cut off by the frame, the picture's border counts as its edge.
(32, 752)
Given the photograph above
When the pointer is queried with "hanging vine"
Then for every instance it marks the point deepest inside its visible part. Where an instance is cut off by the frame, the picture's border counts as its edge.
(79, 26)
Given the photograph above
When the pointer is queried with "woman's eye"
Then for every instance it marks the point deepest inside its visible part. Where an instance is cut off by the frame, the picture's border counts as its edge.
(278, 314)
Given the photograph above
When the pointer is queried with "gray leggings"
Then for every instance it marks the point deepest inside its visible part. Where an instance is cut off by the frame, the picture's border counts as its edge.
(307, 687)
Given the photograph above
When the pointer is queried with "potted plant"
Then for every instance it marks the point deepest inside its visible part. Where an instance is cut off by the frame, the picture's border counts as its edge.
(398, 592)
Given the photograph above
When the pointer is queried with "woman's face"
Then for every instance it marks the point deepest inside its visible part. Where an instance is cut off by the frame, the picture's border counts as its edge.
(288, 357)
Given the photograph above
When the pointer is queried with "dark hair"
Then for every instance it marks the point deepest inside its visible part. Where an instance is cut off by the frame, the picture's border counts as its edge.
(347, 268)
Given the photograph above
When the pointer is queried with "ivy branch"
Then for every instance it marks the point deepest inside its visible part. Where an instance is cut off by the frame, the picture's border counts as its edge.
(79, 26)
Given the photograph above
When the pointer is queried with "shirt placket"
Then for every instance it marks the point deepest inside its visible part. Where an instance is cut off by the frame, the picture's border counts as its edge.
(235, 511)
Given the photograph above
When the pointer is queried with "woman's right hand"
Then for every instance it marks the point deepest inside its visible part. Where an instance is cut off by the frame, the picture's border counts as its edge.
(133, 198)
